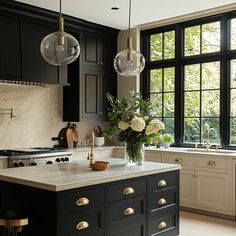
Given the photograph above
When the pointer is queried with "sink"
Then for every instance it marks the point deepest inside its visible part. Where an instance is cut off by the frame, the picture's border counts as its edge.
(223, 151)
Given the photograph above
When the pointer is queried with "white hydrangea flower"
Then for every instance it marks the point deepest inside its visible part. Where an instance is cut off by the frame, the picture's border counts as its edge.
(123, 125)
(137, 124)
(154, 126)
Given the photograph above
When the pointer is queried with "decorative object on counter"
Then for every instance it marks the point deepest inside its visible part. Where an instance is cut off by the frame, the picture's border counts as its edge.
(158, 140)
(71, 136)
(99, 139)
(60, 48)
(167, 140)
(7, 111)
(129, 62)
(12, 223)
(134, 120)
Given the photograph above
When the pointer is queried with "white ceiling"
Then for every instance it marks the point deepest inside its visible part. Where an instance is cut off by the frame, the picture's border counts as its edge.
(143, 11)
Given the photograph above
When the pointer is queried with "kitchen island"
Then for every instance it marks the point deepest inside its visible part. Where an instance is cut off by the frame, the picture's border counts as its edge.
(70, 199)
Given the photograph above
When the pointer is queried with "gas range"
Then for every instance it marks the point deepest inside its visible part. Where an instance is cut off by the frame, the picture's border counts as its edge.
(36, 156)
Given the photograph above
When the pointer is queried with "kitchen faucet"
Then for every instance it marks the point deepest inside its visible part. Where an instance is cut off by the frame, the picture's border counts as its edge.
(91, 155)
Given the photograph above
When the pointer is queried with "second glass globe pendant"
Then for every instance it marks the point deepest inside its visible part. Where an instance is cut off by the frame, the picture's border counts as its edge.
(60, 48)
(129, 62)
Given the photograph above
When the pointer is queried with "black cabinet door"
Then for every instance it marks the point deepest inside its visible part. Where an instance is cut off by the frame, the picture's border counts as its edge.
(34, 67)
(10, 54)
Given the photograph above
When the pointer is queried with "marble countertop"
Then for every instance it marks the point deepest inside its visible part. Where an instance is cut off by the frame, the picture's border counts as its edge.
(77, 174)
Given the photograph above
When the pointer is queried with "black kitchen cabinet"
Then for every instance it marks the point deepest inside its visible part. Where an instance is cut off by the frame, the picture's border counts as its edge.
(10, 49)
(119, 208)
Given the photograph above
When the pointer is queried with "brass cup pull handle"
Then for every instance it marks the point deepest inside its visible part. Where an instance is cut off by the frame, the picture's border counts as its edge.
(128, 191)
(178, 160)
(129, 211)
(162, 183)
(82, 225)
(162, 201)
(162, 225)
(211, 163)
(82, 201)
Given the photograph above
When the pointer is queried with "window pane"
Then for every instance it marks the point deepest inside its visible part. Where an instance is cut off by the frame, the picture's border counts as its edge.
(233, 74)
(211, 103)
(169, 79)
(191, 130)
(211, 75)
(156, 47)
(211, 37)
(192, 104)
(169, 45)
(192, 41)
(169, 104)
(169, 125)
(233, 102)
(156, 100)
(233, 131)
(233, 34)
(214, 130)
(156, 80)
(192, 77)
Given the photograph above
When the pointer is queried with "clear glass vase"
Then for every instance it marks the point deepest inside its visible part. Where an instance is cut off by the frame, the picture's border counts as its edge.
(134, 153)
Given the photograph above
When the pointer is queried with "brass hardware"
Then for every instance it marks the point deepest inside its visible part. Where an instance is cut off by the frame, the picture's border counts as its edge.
(162, 183)
(128, 191)
(82, 225)
(82, 201)
(179, 160)
(162, 201)
(7, 112)
(162, 225)
(211, 163)
(129, 211)
(15, 223)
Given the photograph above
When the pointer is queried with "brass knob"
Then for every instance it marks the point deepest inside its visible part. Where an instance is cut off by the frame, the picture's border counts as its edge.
(162, 225)
(82, 201)
(211, 163)
(178, 160)
(128, 191)
(129, 211)
(162, 201)
(162, 183)
(82, 225)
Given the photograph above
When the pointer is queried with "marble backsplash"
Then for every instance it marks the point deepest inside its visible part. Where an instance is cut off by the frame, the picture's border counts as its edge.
(38, 116)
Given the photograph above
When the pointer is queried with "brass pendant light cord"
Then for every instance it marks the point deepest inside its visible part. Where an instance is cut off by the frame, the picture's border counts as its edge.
(129, 17)
(60, 8)
(129, 40)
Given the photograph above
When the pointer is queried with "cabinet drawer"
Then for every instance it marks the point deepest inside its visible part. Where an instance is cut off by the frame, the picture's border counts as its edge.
(126, 190)
(87, 222)
(165, 224)
(127, 210)
(162, 199)
(182, 159)
(80, 200)
(163, 181)
(213, 163)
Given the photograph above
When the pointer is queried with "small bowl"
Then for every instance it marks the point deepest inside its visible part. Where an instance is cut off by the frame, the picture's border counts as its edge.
(99, 165)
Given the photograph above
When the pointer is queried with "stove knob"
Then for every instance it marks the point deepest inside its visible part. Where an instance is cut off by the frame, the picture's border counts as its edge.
(67, 159)
(21, 163)
(33, 164)
(62, 159)
(58, 160)
(15, 164)
(49, 162)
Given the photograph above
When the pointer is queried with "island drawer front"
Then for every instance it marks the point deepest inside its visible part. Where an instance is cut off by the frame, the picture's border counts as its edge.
(213, 163)
(163, 181)
(87, 222)
(127, 189)
(165, 224)
(162, 199)
(127, 210)
(79, 200)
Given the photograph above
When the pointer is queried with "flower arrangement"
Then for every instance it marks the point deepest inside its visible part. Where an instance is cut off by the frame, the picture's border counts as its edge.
(134, 120)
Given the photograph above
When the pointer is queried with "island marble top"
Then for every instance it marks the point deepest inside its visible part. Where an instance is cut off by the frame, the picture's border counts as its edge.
(76, 174)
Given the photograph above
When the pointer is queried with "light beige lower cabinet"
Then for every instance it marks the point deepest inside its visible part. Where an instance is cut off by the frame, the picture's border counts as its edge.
(3, 163)
(152, 156)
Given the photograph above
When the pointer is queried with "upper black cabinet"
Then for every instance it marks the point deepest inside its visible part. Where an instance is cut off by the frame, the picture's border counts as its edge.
(10, 49)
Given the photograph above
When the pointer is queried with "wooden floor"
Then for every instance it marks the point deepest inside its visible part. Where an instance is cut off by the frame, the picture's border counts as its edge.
(199, 225)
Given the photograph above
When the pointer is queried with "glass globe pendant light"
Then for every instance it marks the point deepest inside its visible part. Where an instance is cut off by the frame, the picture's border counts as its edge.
(129, 62)
(60, 48)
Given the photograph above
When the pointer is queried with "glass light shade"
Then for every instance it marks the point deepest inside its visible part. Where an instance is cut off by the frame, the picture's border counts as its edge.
(129, 63)
(59, 54)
